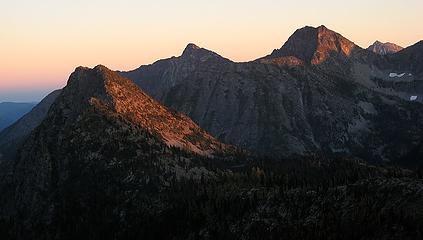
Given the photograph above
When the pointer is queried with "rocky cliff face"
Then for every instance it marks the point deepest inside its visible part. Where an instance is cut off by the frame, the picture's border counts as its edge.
(332, 101)
(384, 48)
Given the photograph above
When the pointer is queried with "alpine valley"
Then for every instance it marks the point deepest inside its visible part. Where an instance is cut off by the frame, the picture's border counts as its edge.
(320, 139)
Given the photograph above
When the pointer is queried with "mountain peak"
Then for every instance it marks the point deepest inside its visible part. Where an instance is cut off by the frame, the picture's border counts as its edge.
(85, 83)
(384, 48)
(194, 52)
(322, 28)
(191, 46)
(101, 68)
(81, 73)
(314, 46)
(190, 49)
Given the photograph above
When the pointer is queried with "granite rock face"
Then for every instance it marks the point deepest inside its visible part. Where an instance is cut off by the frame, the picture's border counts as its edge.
(318, 93)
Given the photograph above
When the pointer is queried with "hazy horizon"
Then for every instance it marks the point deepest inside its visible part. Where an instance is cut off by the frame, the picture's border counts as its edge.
(45, 41)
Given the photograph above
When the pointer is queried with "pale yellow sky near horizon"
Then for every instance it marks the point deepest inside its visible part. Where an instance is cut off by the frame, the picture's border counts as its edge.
(43, 41)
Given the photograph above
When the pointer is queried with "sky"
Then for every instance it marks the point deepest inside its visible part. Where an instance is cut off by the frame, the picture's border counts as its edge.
(42, 42)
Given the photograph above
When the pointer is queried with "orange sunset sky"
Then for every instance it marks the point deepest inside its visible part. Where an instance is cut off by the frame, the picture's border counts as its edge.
(43, 41)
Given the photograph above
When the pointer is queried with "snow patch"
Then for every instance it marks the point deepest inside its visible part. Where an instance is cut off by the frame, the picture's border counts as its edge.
(392, 75)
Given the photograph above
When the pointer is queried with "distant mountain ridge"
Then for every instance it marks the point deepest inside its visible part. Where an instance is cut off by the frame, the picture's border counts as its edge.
(13, 136)
(12, 111)
(384, 48)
